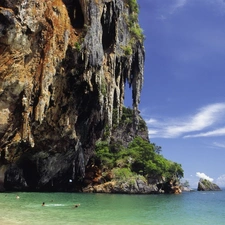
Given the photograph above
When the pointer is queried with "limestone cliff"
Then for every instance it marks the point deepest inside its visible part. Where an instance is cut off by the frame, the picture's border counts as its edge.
(63, 68)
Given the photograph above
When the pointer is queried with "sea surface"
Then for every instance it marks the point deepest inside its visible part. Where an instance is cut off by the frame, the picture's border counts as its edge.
(188, 208)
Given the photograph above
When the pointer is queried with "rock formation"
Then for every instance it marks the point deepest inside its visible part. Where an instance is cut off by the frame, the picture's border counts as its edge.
(169, 187)
(137, 187)
(206, 185)
(64, 65)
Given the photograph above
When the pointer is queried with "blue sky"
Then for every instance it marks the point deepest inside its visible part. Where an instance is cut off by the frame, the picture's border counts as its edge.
(183, 97)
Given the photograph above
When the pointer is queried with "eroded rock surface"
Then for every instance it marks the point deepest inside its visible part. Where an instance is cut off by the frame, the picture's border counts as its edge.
(63, 70)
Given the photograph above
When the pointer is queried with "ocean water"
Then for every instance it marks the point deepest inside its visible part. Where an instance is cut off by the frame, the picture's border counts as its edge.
(188, 208)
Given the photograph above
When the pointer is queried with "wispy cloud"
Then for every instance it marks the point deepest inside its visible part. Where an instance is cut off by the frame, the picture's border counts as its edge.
(213, 133)
(205, 118)
(221, 181)
(218, 4)
(167, 8)
(204, 176)
(177, 5)
(219, 145)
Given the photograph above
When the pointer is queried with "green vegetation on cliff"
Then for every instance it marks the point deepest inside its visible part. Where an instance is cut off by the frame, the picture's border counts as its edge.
(139, 157)
(132, 21)
(135, 30)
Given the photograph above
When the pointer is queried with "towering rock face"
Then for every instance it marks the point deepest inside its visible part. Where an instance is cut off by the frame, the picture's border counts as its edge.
(63, 69)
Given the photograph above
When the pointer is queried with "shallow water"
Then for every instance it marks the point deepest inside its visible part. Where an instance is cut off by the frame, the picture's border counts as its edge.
(194, 208)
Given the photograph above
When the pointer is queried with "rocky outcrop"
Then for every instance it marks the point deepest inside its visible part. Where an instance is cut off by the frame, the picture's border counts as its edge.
(206, 185)
(97, 181)
(132, 186)
(169, 187)
(186, 189)
(137, 186)
(63, 69)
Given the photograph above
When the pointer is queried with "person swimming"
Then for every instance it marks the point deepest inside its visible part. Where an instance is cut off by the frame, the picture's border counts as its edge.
(17, 196)
(43, 204)
(76, 205)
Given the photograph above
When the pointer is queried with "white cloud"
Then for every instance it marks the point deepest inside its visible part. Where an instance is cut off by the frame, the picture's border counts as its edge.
(167, 8)
(152, 132)
(177, 5)
(206, 117)
(204, 176)
(219, 145)
(220, 181)
(161, 17)
(213, 133)
(152, 121)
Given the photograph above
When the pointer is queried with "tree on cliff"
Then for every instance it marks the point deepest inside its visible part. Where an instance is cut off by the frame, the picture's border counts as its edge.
(139, 157)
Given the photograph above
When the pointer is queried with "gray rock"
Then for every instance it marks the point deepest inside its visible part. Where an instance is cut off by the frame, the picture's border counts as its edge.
(206, 185)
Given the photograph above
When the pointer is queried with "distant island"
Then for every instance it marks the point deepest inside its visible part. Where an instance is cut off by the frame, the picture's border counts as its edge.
(206, 185)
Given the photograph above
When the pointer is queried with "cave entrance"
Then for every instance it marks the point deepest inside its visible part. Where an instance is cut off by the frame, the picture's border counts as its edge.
(75, 13)
(29, 171)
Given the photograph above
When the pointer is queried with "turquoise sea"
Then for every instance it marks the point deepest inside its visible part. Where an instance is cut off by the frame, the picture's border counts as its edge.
(188, 208)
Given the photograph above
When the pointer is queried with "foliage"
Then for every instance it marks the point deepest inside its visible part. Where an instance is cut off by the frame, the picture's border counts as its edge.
(139, 157)
(77, 46)
(132, 21)
(142, 124)
(133, 18)
(127, 116)
(106, 132)
(122, 173)
(133, 6)
(103, 88)
(185, 184)
(125, 174)
(127, 113)
(137, 32)
(103, 154)
(147, 162)
(115, 117)
(157, 149)
(206, 183)
(127, 50)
